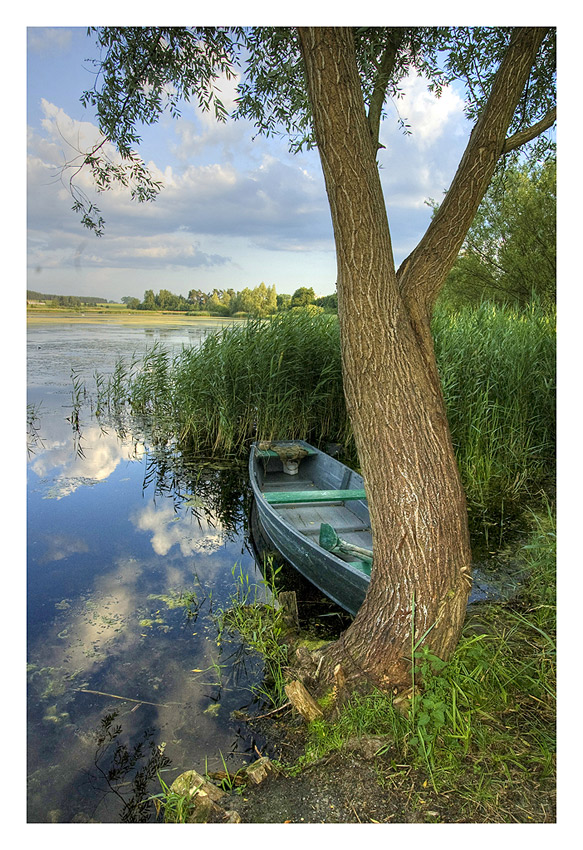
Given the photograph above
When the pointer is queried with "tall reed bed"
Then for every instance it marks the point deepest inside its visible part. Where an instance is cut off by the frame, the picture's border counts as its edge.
(497, 366)
(281, 378)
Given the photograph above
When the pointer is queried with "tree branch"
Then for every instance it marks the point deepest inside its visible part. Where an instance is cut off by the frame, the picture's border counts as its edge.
(387, 66)
(423, 273)
(524, 136)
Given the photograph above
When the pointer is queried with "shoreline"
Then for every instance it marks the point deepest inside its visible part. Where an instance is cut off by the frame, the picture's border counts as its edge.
(141, 318)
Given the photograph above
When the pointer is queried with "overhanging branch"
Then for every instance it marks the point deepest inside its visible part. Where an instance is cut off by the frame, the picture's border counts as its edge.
(524, 136)
(386, 69)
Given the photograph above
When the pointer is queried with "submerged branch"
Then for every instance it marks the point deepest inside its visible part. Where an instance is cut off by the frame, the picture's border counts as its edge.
(126, 699)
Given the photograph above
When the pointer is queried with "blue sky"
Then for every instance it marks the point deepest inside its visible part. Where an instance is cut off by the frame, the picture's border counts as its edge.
(235, 210)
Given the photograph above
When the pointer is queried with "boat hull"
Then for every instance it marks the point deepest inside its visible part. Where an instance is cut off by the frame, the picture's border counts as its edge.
(336, 578)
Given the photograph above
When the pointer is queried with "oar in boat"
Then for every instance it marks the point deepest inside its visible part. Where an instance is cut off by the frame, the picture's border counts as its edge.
(330, 541)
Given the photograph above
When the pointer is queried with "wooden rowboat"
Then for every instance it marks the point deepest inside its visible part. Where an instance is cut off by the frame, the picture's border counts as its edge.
(313, 510)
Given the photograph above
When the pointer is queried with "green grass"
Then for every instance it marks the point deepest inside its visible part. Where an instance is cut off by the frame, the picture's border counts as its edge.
(481, 729)
(253, 614)
(175, 806)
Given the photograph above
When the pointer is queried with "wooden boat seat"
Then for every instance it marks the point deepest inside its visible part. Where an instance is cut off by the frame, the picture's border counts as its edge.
(291, 496)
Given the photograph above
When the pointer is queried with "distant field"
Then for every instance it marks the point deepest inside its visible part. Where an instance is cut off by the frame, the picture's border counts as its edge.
(117, 313)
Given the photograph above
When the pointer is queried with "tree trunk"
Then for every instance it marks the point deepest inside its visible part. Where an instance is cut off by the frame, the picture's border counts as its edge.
(421, 574)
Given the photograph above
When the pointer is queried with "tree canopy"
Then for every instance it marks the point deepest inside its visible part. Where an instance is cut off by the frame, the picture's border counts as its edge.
(509, 253)
(146, 71)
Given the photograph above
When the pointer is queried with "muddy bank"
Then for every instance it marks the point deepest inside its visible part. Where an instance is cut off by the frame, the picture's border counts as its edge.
(356, 785)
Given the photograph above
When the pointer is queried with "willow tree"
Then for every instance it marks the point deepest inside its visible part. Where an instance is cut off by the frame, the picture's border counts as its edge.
(328, 87)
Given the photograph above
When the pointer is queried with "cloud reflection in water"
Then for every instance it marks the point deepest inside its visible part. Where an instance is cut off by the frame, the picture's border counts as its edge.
(102, 454)
(168, 529)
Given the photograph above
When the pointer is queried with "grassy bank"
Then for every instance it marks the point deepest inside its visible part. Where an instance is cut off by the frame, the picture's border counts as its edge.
(282, 379)
(119, 314)
(479, 739)
(475, 744)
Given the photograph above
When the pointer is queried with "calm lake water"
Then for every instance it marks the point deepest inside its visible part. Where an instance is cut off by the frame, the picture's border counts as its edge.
(132, 550)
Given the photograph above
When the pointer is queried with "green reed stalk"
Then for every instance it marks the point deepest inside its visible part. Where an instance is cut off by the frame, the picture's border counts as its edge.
(497, 366)
(281, 378)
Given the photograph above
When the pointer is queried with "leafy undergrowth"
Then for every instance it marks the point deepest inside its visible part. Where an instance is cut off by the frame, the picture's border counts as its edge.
(478, 741)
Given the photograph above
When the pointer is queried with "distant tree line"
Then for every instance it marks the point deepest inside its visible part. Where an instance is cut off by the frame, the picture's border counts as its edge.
(65, 300)
(261, 301)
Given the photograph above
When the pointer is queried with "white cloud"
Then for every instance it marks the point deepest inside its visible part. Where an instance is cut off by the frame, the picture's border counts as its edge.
(228, 205)
(59, 546)
(70, 138)
(199, 132)
(208, 181)
(102, 455)
(160, 250)
(49, 39)
(428, 115)
(274, 204)
(419, 166)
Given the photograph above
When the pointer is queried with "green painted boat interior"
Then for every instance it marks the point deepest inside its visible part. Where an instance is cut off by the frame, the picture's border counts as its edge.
(320, 492)
(270, 453)
(363, 566)
(292, 496)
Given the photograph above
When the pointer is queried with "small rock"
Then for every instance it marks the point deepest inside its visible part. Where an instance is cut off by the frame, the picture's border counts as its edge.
(204, 810)
(259, 770)
(204, 796)
(192, 784)
(367, 747)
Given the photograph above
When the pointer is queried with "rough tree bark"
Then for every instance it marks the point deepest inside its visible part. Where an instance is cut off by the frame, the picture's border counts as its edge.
(418, 513)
